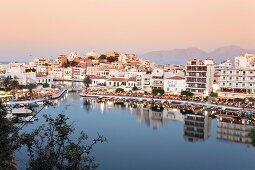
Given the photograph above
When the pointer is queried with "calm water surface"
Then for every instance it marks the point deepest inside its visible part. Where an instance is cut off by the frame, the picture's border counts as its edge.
(139, 138)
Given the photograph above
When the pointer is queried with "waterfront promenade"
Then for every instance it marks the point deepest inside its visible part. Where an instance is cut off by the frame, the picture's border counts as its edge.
(56, 96)
(205, 104)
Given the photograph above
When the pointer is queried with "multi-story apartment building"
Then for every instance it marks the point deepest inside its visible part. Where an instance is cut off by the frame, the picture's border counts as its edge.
(146, 82)
(62, 59)
(199, 76)
(239, 81)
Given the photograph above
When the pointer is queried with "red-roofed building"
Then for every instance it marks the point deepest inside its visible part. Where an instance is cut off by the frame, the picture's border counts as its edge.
(97, 80)
(131, 82)
(174, 85)
(116, 81)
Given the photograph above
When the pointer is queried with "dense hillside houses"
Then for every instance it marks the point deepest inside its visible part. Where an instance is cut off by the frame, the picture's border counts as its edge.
(112, 70)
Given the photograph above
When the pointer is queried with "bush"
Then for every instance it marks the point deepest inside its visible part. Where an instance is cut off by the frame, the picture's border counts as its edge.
(119, 90)
(212, 94)
(45, 85)
(158, 91)
(251, 99)
(187, 93)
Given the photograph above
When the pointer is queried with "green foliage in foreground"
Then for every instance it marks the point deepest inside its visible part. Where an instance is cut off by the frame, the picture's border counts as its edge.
(52, 146)
(49, 146)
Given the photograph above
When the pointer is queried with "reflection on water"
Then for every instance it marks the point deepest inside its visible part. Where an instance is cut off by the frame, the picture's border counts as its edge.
(141, 136)
(196, 125)
(234, 130)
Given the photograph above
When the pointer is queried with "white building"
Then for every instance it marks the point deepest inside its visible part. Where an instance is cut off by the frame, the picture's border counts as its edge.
(174, 85)
(68, 73)
(245, 61)
(44, 79)
(200, 76)
(238, 81)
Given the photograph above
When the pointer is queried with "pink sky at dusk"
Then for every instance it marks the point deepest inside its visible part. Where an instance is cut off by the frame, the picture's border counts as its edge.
(50, 27)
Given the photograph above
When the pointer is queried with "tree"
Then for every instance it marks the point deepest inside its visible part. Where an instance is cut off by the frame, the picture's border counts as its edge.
(102, 57)
(14, 84)
(72, 63)
(30, 87)
(51, 146)
(91, 58)
(158, 91)
(87, 81)
(251, 99)
(6, 83)
(238, 99)
(45, 85)
(135, 88)
(187, 93)
(65, 65)
(213, 94)
(111, 59)
(8, 136)
(119, 90)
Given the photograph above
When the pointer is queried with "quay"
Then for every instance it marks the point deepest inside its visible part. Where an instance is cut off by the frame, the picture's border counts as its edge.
(56, 96)
(205, 104)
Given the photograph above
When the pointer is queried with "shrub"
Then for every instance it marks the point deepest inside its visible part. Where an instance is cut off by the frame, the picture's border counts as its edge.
(158, 91)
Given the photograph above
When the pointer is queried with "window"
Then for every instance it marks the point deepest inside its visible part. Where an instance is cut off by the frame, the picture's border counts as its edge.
(230, 72)
(250, 84)
(236, 84)
(243, 84)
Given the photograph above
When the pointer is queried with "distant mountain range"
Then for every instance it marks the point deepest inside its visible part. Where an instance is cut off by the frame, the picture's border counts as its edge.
(180, 56)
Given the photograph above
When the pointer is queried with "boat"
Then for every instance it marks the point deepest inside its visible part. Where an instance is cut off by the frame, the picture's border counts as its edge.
(21, 111)
(28, 119)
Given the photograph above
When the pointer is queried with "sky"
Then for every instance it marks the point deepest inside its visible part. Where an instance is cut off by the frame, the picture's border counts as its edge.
(32, 28)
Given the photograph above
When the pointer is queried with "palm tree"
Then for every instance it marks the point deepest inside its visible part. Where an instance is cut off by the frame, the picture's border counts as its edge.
(31, 86)
(87, 81)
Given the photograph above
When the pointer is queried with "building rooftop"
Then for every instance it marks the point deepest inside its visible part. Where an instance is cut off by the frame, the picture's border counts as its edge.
(176, 78)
